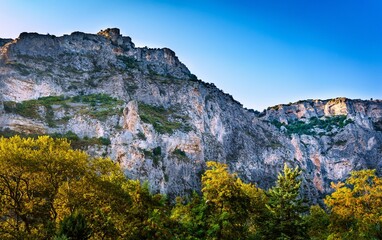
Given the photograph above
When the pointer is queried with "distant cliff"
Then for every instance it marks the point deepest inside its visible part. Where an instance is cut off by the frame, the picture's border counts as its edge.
(144, 109)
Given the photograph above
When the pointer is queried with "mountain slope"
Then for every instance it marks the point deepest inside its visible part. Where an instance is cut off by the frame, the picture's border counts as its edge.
(144, 109)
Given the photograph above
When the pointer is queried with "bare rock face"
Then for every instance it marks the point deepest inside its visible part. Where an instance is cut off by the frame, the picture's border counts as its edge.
(144, 109)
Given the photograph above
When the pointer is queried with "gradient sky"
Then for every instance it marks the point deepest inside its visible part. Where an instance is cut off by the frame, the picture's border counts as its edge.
(261, 52)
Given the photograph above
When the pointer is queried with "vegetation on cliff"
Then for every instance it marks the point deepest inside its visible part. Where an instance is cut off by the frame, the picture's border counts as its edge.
(163, 120)
(98, 106)
(314, 125)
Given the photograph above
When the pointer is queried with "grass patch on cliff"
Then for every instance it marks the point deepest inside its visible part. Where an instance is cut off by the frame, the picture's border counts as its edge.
(308, 128)
(26, 109)
(101, 106)
(7, 133)
(141, 136)
(98, 99)
(32, 109)
(163, 120)
(23, 69)
(82, 143)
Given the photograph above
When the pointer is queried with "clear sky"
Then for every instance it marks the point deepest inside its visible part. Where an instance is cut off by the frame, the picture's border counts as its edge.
(261, 52)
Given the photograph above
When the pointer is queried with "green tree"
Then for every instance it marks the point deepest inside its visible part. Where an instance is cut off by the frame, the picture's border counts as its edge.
(74, 227)
(318, 223)
(285, 208)
(191, 217)
(149, 214)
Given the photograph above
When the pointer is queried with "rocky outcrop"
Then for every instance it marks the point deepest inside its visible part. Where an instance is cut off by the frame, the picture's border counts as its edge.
(326, 108)
(4, 41)
(331, 137)
(162, 124)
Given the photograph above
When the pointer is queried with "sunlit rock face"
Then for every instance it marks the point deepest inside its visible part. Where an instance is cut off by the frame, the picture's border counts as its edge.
(161, 124)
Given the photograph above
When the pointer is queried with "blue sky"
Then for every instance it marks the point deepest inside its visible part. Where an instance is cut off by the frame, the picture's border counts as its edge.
(261, 52)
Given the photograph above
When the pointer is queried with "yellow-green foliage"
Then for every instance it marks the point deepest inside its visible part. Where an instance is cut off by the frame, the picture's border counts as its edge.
(50, 191)
(32, 171)
(228, 208)
(227, 202)
(356, 207)
(43, 181)
(75, 141)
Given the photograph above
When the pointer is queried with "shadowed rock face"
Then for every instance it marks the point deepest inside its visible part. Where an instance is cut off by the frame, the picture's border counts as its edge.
(4, 41)
(164, 124)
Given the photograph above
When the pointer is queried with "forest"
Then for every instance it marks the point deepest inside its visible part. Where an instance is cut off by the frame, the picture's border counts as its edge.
(50, 191)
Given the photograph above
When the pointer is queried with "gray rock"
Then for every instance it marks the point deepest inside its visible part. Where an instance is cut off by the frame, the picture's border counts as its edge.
(189, 121)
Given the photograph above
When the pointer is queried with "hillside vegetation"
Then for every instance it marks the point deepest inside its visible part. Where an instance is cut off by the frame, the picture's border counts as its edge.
(50, 191)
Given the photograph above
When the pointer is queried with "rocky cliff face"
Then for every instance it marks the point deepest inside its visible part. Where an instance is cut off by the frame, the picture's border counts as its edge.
(144, 109)
(330, 138)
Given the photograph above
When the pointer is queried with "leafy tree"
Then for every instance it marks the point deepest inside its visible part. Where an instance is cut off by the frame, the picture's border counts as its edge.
(31, 173)
(227, 204)
(226, 209)
(149, 215)
(285, 208)
(43, 181)
(100, 196)
(60, 237)
(356, 207)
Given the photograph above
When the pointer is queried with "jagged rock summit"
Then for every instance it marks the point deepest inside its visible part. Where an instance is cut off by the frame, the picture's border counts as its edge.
(90, 57)
(144, 109)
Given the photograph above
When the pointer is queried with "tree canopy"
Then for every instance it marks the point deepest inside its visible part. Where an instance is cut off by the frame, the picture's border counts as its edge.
(356, 207)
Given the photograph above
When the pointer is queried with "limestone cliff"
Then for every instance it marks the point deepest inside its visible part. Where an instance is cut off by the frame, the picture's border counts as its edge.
(144, 109)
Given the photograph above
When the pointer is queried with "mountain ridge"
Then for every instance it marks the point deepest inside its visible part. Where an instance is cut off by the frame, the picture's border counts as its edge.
(163, 123)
